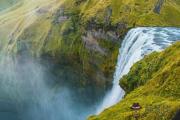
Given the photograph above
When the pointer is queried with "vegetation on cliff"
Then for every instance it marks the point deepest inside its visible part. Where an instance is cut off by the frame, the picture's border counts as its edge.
(79, 37)
(154, 83)
(51, 31)
(134, 12)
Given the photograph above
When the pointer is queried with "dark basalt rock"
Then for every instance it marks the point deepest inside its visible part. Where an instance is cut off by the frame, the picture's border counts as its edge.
(177, 116)
(158, 6)
(78, 2)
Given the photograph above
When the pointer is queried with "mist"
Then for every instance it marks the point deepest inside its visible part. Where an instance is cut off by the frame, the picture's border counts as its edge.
(27, 92)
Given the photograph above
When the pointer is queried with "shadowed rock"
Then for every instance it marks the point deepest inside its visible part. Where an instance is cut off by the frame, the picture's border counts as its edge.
(158, 6)
(177, 116)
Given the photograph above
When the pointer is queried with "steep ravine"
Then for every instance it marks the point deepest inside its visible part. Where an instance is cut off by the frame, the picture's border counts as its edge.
(54, 71)
(74, 45)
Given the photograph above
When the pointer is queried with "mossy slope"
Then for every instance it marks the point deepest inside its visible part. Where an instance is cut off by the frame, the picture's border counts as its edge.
(51, 30)
(133, 12)
(154, 83)
(55, 29)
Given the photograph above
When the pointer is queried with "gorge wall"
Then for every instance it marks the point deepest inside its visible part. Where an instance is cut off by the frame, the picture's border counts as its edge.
(77, 41)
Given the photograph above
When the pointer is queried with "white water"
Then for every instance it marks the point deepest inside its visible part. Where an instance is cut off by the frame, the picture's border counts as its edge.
(137, 43)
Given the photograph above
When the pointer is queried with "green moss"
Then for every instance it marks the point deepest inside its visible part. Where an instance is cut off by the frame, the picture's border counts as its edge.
(33, 38)
(154, 83)
(133, 12)
(41, 35)
(144, 70)
(112, 50)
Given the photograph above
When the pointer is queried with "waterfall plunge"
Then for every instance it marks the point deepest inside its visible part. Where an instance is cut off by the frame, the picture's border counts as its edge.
(137, 43)
(26, 93)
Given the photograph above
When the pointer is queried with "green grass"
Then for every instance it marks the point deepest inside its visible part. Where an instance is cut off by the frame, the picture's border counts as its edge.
(133, 12)
(21, 24)
(154, 83)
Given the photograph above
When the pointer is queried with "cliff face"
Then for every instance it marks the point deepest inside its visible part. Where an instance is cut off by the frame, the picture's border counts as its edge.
(51, 31)
(80, 38)
(154, 83)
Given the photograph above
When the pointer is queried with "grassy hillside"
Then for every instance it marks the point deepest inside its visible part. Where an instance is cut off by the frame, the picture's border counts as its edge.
(109, 15)
(79, 37)
(51, 30)
(133, 12)
(154, 83)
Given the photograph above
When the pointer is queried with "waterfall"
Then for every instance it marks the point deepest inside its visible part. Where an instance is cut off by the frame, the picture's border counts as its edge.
(138, 42)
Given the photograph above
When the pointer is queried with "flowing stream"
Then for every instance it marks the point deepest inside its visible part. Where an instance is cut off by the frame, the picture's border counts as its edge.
(137, 43)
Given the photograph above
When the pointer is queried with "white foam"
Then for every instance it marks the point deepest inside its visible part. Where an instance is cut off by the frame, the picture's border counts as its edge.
(137, 43)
